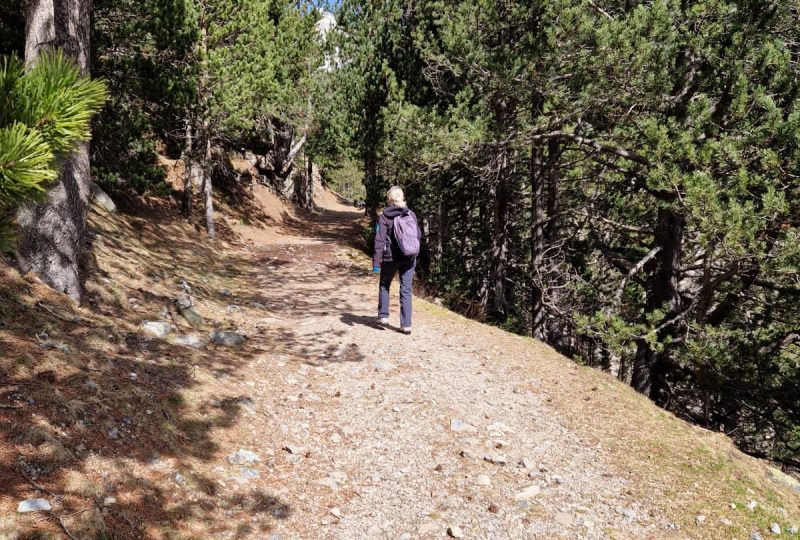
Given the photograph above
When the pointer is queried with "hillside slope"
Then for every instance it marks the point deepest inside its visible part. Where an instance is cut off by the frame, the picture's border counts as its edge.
(322, 425)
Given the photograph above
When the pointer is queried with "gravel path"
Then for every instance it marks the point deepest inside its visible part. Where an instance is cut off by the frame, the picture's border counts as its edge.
(364, 432)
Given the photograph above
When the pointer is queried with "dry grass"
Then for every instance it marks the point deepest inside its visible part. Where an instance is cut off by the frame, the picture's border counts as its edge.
(683, 469)
(66, 374)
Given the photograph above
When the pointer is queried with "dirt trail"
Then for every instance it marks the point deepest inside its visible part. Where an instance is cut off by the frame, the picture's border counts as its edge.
(322, 424)
(368, 433)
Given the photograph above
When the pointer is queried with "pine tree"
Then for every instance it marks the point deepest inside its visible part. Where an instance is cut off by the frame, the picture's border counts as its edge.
(43, 113)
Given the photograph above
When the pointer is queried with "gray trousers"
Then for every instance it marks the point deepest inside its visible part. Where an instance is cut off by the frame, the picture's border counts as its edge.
(388, 270)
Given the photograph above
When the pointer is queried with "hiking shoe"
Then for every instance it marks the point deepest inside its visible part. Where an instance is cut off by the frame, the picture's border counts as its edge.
(383, 321)
(406, 330)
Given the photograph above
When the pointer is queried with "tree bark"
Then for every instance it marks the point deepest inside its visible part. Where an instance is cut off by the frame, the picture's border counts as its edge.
(53, 232)
(208, 189)
(188, 163)
(537, 245)
(662, 293)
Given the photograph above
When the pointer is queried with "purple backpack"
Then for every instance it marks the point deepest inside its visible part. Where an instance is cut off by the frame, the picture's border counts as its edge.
(406, 232)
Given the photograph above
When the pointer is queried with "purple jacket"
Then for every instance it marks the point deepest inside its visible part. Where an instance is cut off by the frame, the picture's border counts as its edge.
(386, 248)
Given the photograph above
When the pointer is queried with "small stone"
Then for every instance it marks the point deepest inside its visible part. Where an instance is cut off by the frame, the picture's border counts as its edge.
(34, 505)
(133, 376)
(179, 478)
(495, 458)
(113, 433)
(158, 329)
(108, 501)
(483, 480)
(755, 535)
(454, 531)
(192, 316)
(528, 493)
(457, 424)
(428, 528)
(381, 366)
(294, 449)
(733, 506)
(726, 522)
(227, 338)
(184, 302)
(243, 457)
(336, 512)
(793, 529)
(246, 474)
(700, 519)
(752, 505)
(526, 463)
(102, 199)
(564, 519)
(775, 528)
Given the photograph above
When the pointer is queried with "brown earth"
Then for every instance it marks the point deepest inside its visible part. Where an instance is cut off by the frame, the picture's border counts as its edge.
(360, 431)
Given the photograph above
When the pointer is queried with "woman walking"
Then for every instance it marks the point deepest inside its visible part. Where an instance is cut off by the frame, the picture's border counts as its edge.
(396, 248)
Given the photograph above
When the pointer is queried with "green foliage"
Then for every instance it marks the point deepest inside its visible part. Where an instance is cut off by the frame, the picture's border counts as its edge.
(43, 112)
(144, 50)
(618, 179)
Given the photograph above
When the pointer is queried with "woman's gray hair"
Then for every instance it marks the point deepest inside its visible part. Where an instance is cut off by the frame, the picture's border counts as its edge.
(395, 195)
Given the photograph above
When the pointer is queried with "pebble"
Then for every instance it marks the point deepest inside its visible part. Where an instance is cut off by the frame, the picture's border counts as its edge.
(34, 505)
(113, 433)
(700, 519)
(456, 424)
(726, 522)
(428, 528)
(336, 512)
(243, 457)
(294, 449)
(775, 528)
(752, 505)
(497, 459)
(227, 338)
(528, 493)
(526, 463)
(756, 536)
(483, 480)
(190, 340)
(454, 531)
(246, 474)
(157, 329)
(382, 366)
(564, 519)
(108, 501)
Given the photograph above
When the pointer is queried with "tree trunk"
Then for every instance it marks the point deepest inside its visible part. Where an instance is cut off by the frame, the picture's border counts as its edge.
(373, 195)
(53, 232)
(537, 245)
(208, 189)
(662, 293)
(188, 162)
(496, 303)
